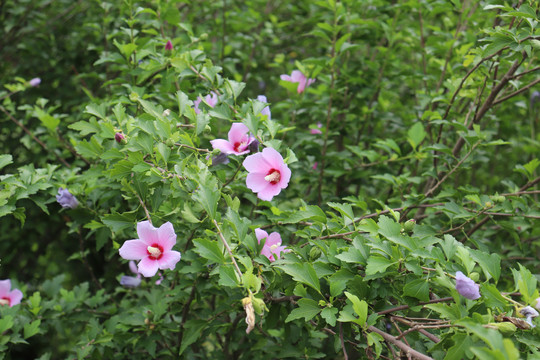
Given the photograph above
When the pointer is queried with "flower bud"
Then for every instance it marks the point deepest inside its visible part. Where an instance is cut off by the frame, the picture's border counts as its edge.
(254, 146)
(474, 276)
(314, 253)
(506, 328)
(166, 112)
(119, 137)
(35, 82)
(409, 225)
(168, 45)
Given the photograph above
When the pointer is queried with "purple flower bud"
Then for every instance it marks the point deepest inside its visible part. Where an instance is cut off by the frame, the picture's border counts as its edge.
(254, 146)
(35, 82)
(119, 137)
(130, 281)
(169, 45)
(221, 158)
(266, 110)
(466, 287)
(535, 97)
(158, 281)
(66, 199)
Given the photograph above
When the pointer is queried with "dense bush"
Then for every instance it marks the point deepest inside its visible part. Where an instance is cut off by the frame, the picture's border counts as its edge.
(408, 129)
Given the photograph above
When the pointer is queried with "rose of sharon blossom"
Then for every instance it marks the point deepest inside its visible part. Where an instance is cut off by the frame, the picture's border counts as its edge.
(153, 248)
(272, 247)
(8, 297)
(35, 82)
(297, 77)
(466, 287)
(168, 45)
(66, 199)
(266, 110)
(238, 143)
(268, 173)
(211, 100)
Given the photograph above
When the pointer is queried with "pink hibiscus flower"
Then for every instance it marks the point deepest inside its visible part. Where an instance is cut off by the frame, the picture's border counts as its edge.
(8, 297)
(268, 173)
(153, 248)
(238, 143)
(211, 99)
(272, 246)
(297, 77)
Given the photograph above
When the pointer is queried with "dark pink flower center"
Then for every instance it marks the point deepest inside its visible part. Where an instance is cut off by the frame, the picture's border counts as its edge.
(155, 252)
(239, 146)
(5, 301)
(273, 176)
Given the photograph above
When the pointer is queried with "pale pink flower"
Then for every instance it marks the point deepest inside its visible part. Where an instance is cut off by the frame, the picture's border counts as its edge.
(268, 173)
(467, 287)
(272, 246)
(8, 297)
(211, 99)
(297, 77)
(153, 248)
(168, 45)
(238, 143)
(266, 110)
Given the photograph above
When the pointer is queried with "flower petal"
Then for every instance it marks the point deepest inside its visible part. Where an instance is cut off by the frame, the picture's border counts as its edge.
(286, 77)
(169, 260)
(130, 281)
(166, 236)
(222, 145)
(301, 86)
(285, 176)
(133, 250)
(273, 158)
(238, 133)
(147, 233)
(273, 239)
(297, 76)
(256, 182)
(260, 234)
(268, 192)
(15, 297)
(133, 267)
(256, 163)
(148, 267)
(5, 286)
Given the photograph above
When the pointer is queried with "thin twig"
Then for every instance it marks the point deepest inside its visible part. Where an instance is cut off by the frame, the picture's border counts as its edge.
(239, 273)
(407, 349)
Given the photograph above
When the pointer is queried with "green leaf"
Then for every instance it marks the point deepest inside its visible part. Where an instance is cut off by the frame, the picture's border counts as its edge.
(192, 332)
(31, 329)
(118, 222)
(312, 212)
(96, 110)
(208, 196)
(418, 289)
(303, 273)
(377, 264)
(234, 88)
(462, 343)
(6, 323)
(228, 276)
(209, 249)
(5, 160)
(360, 308)
(251, 281)
(490, 263)
(329, 315)
(307, 309)
(416, 135)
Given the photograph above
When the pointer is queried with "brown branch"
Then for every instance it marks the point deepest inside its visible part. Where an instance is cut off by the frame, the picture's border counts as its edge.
(407, 349)
(404, 307)
(517, 92)
(41, 143)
